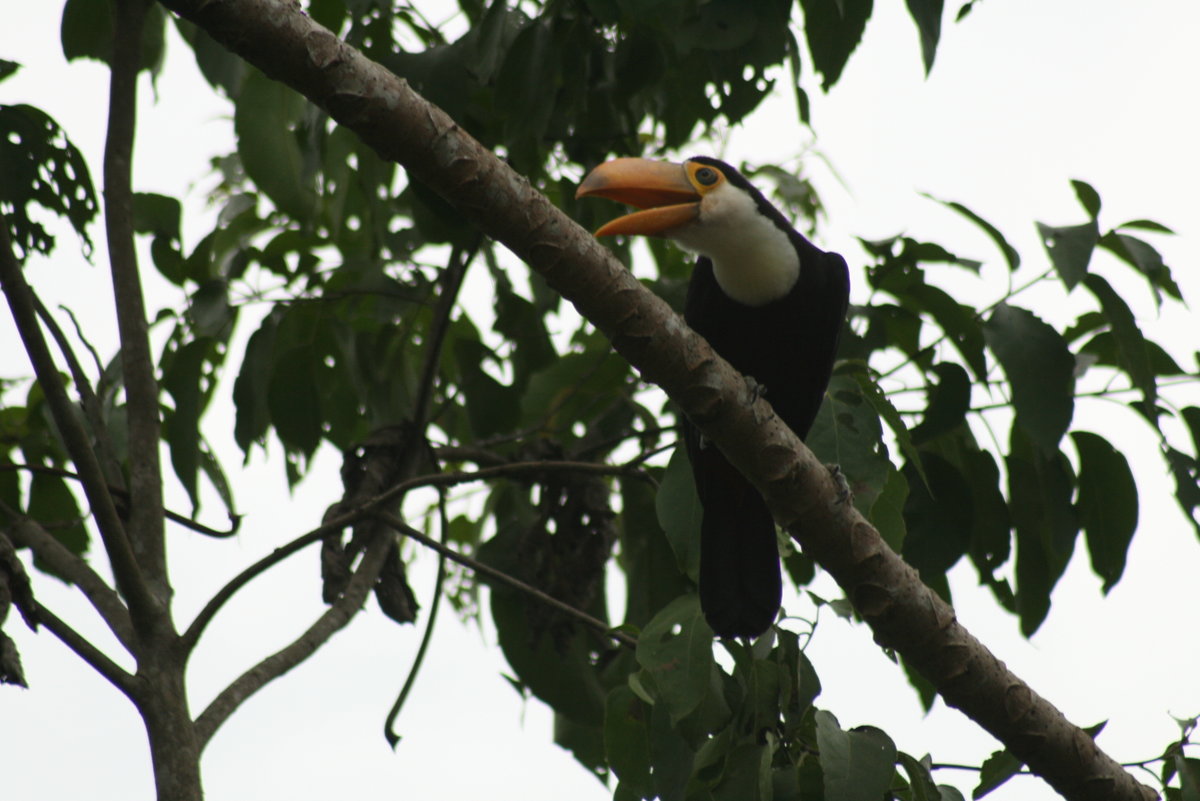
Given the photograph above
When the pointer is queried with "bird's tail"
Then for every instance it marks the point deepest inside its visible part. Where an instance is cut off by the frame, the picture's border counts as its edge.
(740, 583)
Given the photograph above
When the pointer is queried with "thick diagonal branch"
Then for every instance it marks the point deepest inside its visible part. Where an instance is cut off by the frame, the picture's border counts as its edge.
(278, 38)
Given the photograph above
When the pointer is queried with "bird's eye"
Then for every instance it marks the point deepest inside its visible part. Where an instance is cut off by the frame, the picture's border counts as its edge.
(706, 175)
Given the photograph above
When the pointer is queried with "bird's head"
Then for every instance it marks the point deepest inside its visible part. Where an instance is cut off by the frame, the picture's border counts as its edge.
(706, 206)
(671, 196)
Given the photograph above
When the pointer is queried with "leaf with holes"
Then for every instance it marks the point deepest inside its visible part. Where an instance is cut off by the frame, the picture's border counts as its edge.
(1070, 249)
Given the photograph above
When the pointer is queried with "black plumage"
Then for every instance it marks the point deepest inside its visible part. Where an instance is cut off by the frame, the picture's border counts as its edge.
(787, 344)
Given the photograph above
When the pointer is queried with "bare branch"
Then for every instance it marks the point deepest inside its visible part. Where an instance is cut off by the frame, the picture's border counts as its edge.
(389, 724)
(222, 596)
(95, 487)
(97, 659)
(274, 666)
(451, 283)
(504, 578)
(26, 532)
(145, 518)
(123, 495)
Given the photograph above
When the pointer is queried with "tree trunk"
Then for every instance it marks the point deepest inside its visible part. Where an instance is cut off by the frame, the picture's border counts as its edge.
(174, 749)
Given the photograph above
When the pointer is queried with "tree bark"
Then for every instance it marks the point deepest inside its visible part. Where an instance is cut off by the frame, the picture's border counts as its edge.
(278, 38)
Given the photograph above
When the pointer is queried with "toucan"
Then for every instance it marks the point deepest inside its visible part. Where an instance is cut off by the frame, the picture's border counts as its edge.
(772, 304)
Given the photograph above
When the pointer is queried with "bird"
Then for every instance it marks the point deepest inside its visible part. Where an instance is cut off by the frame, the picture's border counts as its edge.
(772, 304)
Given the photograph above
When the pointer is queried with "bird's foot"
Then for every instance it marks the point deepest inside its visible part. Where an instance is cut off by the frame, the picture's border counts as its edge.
(845, 495)
(755, 389)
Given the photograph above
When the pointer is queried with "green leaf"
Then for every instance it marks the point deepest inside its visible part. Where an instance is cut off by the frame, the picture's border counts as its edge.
(747, 774)
(996, 770)
(960, 323)
(1040, 370)
(652, 574)
(847, 433)
(948, 402)
(221, 67)
(1149, 262)
(991, 541)
(572, 391)
(266, 118)
(8, 68)
(928, 16)
(920, 779)
(678, 509)
(937, 517)
(1040, 488)
(676, 649)
(492, 407)
(948, 793)
(87, 32)
(293, 401)
(1147, 225)
(889, 414)
(1188, 769)
(1108, 504)
(156, 214)
(250, 388)
(857, 765)
(585, 742)
(718, 25)
(926, 691)
(521, 323)
(183, 371)
(627, 740)
(1131, 345)
(216, 476)
(833, 31)
(39, 164)
(1191, 417)
(526, 85)
(1089, 198)
(887, 513)
(1070, 249)
(53, 505)
(671, 757)
(558, 670)
(209, 310)
(1186, 472)
(1011, 256)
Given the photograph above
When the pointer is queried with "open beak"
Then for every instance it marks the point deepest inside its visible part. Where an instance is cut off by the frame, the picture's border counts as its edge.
(660, 188)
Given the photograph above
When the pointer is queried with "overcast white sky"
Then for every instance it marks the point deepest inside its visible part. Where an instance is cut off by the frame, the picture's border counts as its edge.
(1025, 95)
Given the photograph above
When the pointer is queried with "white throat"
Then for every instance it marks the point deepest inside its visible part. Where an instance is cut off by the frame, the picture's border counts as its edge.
(754, 262)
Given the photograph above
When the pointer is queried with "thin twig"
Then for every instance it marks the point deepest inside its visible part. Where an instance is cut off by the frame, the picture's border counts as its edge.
(515, 583)
(389, 724)
(78, 443)
(452, 280)
(174, 517)
(1012, 293)
(105, 452)
(99, 661)
(330, 622)
(222, 596)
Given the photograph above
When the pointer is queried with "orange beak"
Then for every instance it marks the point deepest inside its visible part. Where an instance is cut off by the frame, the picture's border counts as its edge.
(660, 188)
